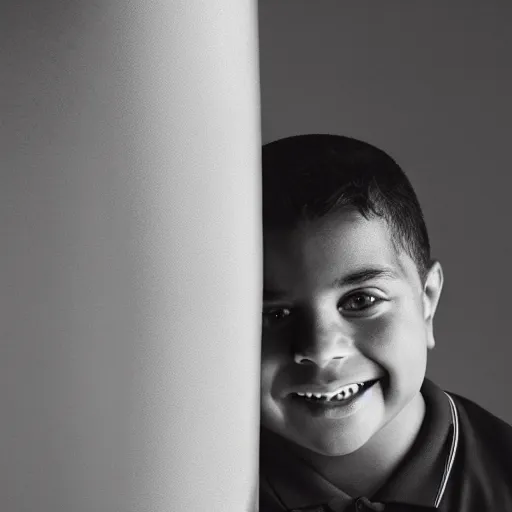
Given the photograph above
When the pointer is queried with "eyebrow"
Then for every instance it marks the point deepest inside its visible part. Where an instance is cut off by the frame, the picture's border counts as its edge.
(357, 277)
(272, 295)
(364, 275)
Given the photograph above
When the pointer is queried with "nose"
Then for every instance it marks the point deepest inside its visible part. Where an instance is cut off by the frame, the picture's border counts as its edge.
(327, 340)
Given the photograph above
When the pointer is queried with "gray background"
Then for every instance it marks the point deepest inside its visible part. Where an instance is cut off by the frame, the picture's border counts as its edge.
(431, 85)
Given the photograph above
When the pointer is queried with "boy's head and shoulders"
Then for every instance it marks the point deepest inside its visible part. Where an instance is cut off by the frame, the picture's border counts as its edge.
(350, 293)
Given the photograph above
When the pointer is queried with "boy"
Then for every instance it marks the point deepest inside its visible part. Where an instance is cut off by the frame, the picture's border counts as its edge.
(349, 421)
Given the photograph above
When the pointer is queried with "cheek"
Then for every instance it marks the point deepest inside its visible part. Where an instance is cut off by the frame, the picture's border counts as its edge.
(269, 370)
(272, 359)
(271, 414)
(276, 344)
(396, 340)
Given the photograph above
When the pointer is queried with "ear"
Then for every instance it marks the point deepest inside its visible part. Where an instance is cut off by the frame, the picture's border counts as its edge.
(431, 292)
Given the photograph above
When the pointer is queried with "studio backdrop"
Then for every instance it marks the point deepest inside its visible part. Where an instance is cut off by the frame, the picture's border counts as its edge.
(430, 84)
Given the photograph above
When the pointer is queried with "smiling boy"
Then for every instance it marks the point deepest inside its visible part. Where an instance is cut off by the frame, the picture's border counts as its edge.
(349, 421)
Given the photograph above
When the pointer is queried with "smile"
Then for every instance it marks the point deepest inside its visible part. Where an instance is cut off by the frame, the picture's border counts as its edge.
(339, 395)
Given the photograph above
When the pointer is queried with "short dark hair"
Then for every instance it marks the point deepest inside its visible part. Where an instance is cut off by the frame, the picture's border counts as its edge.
(311, 176)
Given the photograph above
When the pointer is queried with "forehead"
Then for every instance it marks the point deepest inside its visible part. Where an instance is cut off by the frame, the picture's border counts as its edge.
(318, 252)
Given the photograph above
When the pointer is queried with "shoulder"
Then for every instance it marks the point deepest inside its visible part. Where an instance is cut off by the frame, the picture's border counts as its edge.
(480, 479)
(478, 418)
(268, 501)
(481, 431)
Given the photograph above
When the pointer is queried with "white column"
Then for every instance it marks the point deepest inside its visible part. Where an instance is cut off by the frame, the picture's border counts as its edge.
(129, 256)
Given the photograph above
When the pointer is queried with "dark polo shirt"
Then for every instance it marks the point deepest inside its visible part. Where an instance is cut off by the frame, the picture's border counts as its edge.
(460, 461)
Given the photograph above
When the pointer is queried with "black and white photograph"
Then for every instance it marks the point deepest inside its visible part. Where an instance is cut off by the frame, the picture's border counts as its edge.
(255, 256)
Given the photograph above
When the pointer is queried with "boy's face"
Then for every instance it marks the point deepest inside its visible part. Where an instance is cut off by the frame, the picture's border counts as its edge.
(342, 306)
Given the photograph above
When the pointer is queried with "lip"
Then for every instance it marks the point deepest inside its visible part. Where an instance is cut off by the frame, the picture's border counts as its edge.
(327, 410)
(329, 389)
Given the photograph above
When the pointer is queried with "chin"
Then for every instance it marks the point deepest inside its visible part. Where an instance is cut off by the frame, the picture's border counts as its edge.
(337, 446)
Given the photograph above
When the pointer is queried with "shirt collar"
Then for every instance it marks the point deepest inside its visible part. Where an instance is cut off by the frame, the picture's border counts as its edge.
(419, 480)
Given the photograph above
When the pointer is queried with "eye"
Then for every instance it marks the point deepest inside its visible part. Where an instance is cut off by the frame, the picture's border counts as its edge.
(274, 316)
(359, 301)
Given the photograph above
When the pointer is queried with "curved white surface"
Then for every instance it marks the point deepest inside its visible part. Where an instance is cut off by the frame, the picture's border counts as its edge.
(130, 260)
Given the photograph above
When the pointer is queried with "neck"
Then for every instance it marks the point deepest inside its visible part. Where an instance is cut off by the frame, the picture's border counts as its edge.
(364, 471)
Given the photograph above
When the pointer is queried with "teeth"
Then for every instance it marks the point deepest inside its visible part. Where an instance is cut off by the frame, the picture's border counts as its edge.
(341, 394)
(347, 391)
